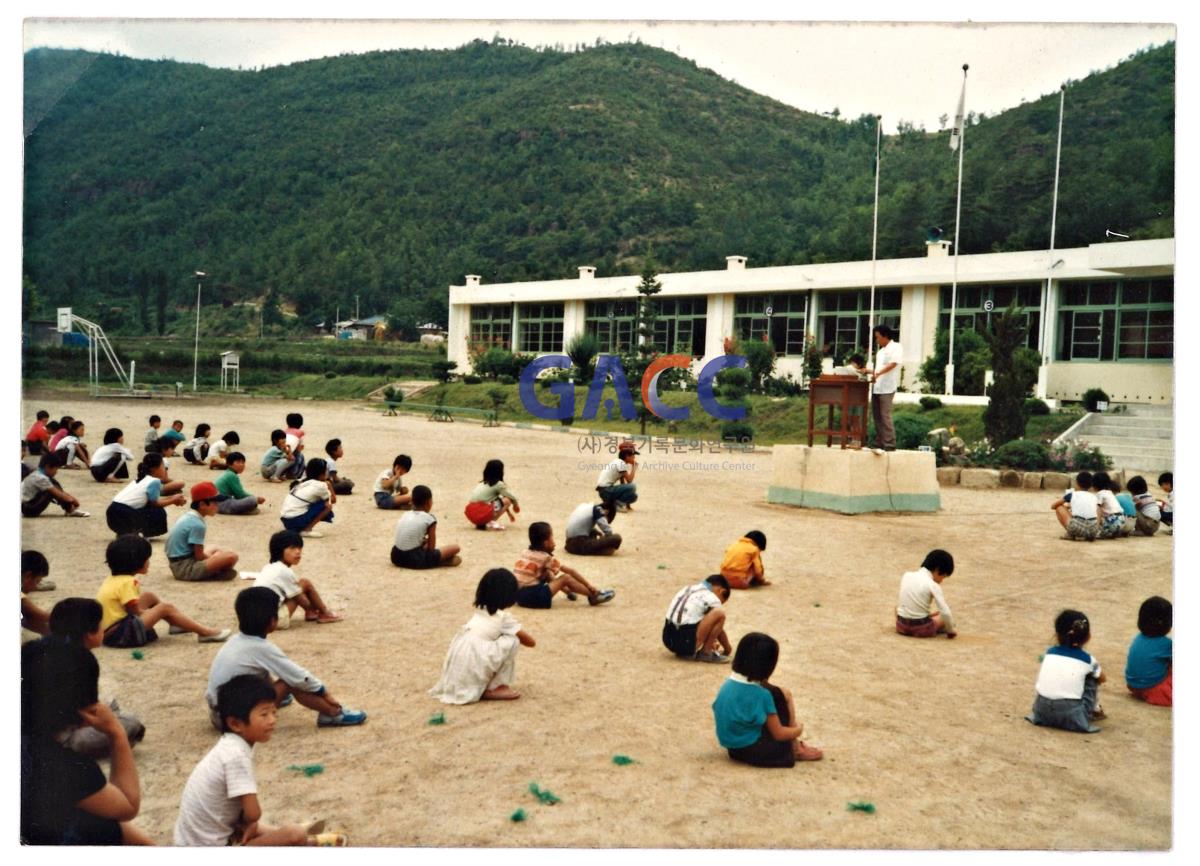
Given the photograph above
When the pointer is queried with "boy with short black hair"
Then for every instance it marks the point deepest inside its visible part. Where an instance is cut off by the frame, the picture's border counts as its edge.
(742, 564)
(341, 486)
(249, 652)
(589, 532)
(920, 592)
(389, 492)
(175, 434)
(151, 437)
(1077, 510)
(229, 485)
(295, 441)
(695, 621)
(278, 458)
(217, 454)
(34, 569)
(540, 576)
(286, 548)
(414, 544)
(220, 800)
(185, 543)
(1148, 513)
(129, 614)
(39, 488)
(38, 435)
(615, 482)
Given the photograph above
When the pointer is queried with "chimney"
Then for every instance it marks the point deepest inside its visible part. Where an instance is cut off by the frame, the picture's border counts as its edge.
(735, 263)
(587, 272)
(938, 249)
(473, 279)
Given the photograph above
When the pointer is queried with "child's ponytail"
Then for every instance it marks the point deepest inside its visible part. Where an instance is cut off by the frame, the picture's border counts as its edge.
(149, 462)
(1072, 628)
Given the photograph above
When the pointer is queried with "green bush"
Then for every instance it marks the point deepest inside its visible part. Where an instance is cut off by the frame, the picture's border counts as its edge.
(1092, 396)
(329, 374)
(737, 431)
(505, 379)
(472, 379)
(760, 360)
(1037, 407)
(734, 382)
(930, 403)
(1022, 454)
(911, 431)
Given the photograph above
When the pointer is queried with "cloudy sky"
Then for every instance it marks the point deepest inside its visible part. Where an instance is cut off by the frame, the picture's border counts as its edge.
(907, 71)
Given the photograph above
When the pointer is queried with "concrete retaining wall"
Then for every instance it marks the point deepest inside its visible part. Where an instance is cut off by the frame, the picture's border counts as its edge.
(854, 482)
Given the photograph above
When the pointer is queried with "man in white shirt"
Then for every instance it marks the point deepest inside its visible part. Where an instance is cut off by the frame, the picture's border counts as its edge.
(887, 379)
(921, 590)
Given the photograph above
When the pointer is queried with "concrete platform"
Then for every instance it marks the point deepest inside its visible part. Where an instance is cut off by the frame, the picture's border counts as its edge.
(854, 482)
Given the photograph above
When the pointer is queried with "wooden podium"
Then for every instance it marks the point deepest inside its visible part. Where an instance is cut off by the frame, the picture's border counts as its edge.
(849, 395)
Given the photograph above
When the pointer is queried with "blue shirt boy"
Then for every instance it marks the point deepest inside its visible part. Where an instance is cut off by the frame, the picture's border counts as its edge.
(188, 530)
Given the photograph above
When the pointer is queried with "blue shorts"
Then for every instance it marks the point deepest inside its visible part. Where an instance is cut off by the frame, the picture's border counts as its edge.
(300, 521)
(534, 596)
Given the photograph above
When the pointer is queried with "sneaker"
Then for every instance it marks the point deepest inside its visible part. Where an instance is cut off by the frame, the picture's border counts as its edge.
(45, 585)
(712, 657)
(623, 506)
(79, 512)
(219, 637)
(601, 597)
(312, 533)
(342, 720)
(496, 526)
(287, 701)
(808, 753)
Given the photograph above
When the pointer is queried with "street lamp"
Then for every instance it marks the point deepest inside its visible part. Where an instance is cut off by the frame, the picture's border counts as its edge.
(200, 275)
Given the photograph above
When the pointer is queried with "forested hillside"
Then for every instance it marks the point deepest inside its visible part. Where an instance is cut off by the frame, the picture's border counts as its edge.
(389, 175)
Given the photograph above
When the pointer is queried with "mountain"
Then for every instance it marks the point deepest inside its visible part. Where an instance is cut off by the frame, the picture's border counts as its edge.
(389, 175)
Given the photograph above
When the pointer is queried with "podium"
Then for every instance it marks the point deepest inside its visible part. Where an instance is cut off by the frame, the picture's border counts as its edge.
(847, 394)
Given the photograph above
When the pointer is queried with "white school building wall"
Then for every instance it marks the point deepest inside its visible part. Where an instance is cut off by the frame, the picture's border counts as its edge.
(1108, 317)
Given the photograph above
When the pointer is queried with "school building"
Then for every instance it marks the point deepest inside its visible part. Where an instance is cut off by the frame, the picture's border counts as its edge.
(1107, 320)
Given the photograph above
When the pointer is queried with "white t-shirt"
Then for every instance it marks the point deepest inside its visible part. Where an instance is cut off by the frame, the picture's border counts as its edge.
(890, 381)
(137, 494)
(1107, 502)
(1064, 671)
(292, 441)
(218, 450)
(380, 487)
(411, 530)
(1083, 504)
(917, 590)
(611, 474)
(210, 807)
(105, 453)
(691, 603)
(302, 496)
(279, 577)
(580, 523)
(196, 443)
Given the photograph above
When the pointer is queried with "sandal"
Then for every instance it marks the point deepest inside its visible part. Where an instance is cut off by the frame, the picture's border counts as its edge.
(331, 840)
(500, 693)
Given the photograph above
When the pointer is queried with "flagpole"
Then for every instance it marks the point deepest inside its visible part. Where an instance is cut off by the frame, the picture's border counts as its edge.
(957, 233)
(1050, 262)
(874, 247)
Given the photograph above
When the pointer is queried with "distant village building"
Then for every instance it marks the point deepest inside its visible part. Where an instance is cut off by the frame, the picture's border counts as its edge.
(431, 333)
(1107, 320)
(371, 328)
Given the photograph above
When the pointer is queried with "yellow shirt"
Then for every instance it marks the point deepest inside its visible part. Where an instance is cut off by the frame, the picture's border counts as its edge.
(742, 562)
(116, 592)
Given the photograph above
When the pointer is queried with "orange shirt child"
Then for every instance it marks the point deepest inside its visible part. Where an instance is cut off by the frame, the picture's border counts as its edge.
(742, 565)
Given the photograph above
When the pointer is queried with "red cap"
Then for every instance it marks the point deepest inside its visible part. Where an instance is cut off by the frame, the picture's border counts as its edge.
(206, 490)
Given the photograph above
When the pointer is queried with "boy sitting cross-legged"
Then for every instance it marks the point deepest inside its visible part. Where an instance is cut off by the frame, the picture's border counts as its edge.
(220, 800)
(249, 652)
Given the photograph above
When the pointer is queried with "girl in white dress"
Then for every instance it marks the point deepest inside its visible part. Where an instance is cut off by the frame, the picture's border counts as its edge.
(482, 657)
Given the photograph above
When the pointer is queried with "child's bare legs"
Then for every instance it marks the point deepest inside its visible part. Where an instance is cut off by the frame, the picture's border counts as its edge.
(289, 835)
(220, 560)
(801, 751)
(314, 608)
(449, 553)
(573, 581)
(153, 610)
(131, 834)
(1064, 515)
(321, 703)
(711, 630)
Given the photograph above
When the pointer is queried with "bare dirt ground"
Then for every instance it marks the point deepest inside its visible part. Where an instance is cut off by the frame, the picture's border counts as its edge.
(929, 731)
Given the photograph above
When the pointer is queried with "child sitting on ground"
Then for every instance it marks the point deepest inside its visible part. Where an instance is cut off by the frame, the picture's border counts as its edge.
(1148, 665)
(278, 458)
(34, 568)
(77, 621)
(756, 720)
(249, 652)
(217, 458)
(140, 507)
(229, 485)
(1077, 509)
(1068, 684)
(341, 486)
(220, 800)
(389, 492)
(65, 798)
(73, 447)
(540, 576)
(588, 531)
(129, 614)
(309, 502)
(64, 429)
(414, 544)
(295, 442)
(196, 450)
(1148, 514)
(151, 437)
(1167, 506)
(742, 564)
(286, 548)
(695, 621)
(108, 463)
(920, 592)
(39, 488)
(480, 663)
(492, 498)
(175, 434)
(615, 481)
(39, 435)
(185, 545)
(1111, 515)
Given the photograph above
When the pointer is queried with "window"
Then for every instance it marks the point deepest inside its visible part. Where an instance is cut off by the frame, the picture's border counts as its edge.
(1116, 320)
(613, 324)
(784, 324)
(681, 326)
(972, 308)
(491, 325)
(540, 327)
(843, 319)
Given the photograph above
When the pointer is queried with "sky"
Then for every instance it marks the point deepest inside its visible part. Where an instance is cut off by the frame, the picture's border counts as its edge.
(903, 71)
